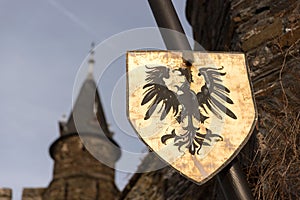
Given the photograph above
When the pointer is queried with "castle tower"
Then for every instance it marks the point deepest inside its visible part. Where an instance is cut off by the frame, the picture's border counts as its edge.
(77, 174)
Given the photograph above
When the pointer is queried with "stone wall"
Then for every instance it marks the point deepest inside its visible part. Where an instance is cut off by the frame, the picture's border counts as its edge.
(77, 174)
(5, 194)
(33, 193)
(72, 158)
(81, 187)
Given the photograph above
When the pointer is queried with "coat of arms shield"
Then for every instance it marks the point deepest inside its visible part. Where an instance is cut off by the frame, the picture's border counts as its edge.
(194, 116)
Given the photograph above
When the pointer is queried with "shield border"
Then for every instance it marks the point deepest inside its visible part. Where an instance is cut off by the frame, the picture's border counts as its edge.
(236, 152)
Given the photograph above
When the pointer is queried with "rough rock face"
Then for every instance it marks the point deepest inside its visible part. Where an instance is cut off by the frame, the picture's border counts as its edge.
(268, 32)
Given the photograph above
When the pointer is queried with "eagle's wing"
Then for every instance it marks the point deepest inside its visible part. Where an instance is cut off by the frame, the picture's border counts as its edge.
(213, 94)
(156, 91)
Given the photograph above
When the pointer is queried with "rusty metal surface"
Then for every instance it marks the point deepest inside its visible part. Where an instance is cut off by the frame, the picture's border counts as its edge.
(211, 158)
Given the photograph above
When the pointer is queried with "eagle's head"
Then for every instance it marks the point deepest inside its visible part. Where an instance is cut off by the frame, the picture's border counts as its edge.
(186, 72)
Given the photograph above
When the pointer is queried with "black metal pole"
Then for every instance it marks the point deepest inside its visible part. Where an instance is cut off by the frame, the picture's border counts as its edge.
(231, 179)
(233, 182)
(170, 27)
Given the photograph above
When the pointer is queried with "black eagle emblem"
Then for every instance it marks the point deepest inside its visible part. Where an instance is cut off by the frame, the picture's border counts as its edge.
(187, 105)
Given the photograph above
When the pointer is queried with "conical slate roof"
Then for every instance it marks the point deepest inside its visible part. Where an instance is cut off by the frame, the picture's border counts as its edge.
(87, 115)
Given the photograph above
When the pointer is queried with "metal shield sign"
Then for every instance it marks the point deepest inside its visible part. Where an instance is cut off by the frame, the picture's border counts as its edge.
(195, 116)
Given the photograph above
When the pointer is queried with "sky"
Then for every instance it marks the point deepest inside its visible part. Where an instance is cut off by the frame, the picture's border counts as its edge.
(43, 43)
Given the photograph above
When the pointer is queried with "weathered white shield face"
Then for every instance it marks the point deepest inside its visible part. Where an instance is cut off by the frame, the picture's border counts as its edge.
(196, 118)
